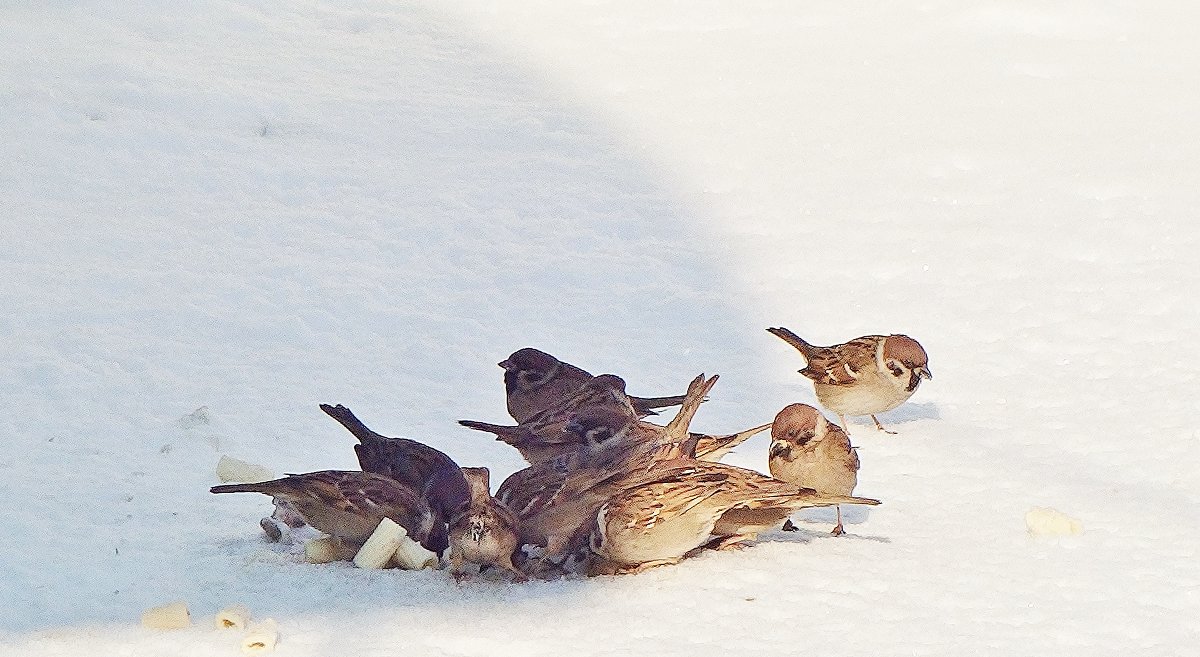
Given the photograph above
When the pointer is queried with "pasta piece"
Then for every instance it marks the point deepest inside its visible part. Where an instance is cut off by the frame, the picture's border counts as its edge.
(327, 549)
(1044, 521)
(262, 637)
(233, 617)
(411, 555)
(173, 616)
(381, 546)
(237, 470)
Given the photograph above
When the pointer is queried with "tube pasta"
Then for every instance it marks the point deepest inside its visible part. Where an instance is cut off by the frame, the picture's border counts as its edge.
(327, 549)
(262, 637)
(237, 470)
(1045, 521)
(233, 617)
(411, 555)
(381, 546)
(173, 616)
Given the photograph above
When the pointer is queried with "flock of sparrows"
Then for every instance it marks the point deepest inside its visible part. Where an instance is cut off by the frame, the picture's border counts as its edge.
(606, 491)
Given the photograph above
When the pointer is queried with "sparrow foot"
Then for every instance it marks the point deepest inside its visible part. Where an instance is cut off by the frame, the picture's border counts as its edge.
(880, 426)
(789, 526)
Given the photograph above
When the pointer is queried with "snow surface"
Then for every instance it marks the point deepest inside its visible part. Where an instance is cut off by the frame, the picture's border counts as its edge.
(253, 207)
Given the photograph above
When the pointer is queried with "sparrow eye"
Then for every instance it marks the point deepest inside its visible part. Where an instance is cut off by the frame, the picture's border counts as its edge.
(600, 435)
(895, 368)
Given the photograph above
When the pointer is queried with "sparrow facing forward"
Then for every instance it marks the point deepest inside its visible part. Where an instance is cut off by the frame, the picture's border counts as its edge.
(809, 451)
(865, 376)
(534, 381)
(485, 533)
(349, 504)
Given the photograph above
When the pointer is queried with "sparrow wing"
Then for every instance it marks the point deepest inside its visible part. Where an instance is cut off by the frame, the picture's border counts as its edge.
(842, 364)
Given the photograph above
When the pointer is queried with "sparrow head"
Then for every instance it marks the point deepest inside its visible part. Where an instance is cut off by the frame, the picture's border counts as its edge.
(906, 361)
(598, 427)
(528, 369)
(610, 383)
(796, 426)
(438, 539)
(479, 480)
(477, 529)
(448, 491)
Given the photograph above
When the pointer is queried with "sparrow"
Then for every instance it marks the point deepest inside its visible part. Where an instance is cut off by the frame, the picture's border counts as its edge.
(534, 381)
(412, 463)
(689, 506)
(808, 450)
(865, 376)
(555, 500)
(349, 504)
(600, 428)
(541, 437)
(485, 533)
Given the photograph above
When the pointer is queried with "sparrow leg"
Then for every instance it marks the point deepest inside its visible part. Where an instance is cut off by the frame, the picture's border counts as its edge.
(458, 567)
(518, 576)
(789, 526)
(879, 426)
(845, 427)
(839, 530)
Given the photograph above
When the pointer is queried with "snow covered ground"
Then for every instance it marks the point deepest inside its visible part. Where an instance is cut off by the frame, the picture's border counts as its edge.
(253, 207)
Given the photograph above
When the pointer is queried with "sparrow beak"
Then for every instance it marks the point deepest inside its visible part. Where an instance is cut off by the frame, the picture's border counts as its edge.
(505, 364)
(924, 373)
(779, 448)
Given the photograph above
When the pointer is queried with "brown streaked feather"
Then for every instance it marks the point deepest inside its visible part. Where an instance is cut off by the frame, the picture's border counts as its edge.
(714, 448)
(410, 462)
(349, 504)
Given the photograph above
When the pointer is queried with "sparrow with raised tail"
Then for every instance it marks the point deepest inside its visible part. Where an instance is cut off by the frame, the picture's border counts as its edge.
(534, 381)
(865, 376)
(598, 428)
(485, 533)
(349, 505)
(410, 462)
(541, 437)
(693, 505)
(555, 500)
(609, 441)
(808, 450)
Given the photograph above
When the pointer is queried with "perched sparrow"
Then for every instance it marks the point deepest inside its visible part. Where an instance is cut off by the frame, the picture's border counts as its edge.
(600, 428)
(349, 504)
(485, 533)
(542, 438)
(534, 381)
(555, 500)
(409, 462)
(807, 450)
(864, 376)
(692, 505)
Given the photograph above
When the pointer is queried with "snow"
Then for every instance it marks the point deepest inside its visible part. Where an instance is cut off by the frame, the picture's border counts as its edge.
(253, 207)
